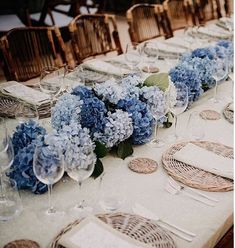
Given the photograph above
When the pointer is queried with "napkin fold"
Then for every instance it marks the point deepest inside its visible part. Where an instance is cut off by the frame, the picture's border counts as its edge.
(104, 67)
(92, 232)
(206, 160)
(24, 93)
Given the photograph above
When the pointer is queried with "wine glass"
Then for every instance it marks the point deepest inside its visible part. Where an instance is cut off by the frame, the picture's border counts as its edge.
(219, 74)
(132, 55)
(48, 167)
(149, 54)
(230, 65)
(6, 160)
(79, 173)
(51, 80)
(178, 102)
(158, 114)
(25, 112)
(3, 134)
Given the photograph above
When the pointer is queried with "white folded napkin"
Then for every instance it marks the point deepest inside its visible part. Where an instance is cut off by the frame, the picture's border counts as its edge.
(206, 160)
(231, 106)
(92, 232)
(24, 93)
(212, 32)
(102, 66)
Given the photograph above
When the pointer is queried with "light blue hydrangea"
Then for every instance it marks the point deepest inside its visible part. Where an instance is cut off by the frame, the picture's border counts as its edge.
(154, 98)
(118, 127)
(66, 110)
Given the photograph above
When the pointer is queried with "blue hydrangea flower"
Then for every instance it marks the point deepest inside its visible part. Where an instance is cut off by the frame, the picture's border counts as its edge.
(66, 110)
(203, 53)
(83, 92)
(22, 170)
(25, 134)
(118, 127)
(142, 119)
(225, 43)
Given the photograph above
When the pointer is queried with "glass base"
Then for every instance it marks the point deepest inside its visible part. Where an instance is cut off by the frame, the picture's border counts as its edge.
(110, 204)
(215, 100)
(80, 208)
(53, 213)
(9, 209)
(156, 143)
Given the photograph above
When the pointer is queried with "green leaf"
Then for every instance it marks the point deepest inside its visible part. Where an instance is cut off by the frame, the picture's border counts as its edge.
(98, 169)
(100, 149)
(160, 80)
(124, 149)
(170, 120)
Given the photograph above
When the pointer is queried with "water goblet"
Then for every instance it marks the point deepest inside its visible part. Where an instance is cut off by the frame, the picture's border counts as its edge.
(149, 54)
(178, 102)
(219, 74)
(132, 55)
(158, 113)
(48, 167)
(51, 80)
(79, 173)
(25, 112)
(196, 126)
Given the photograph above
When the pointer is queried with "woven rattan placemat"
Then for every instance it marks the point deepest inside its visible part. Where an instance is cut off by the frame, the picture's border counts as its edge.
(228, 114)
(8, 108)
(193, 176)
(134, 226)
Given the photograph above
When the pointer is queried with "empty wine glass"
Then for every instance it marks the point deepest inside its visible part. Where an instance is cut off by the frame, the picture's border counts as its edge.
(6, 160)
(178, 102)
(51, 80)
(25, 112)
(158, 113)
(149, 54)
(48, 167)
(230, 62)
(132, 55)
(79, 173)
(3, 134)
(219, 74)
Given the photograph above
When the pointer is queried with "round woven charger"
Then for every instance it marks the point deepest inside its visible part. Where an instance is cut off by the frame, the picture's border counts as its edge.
(193, 176)
(8, 108)
(228, 114)
(22, 243)
(134, 226)
(210, 115)
(143, 165)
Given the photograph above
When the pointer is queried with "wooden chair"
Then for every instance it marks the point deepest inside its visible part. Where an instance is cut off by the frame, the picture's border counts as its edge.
(147, 21)
(25, 51)
(207, 10)
(180, 13)
(93, 35)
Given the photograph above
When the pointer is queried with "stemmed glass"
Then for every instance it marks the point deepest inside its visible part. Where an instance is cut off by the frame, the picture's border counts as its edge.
(26, 112)
(149, 54)
(178, 102)
(51, 80)
(219, 74)
(230, 72)
(79, 173)
(158, 114)
(132, 55)
(48, 167)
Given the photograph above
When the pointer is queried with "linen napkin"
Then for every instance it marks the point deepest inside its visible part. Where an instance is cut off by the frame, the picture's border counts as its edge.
(104, 67)
(206, 160)
(231, 107)
(92, 232)
(213, 32)
(24, 93)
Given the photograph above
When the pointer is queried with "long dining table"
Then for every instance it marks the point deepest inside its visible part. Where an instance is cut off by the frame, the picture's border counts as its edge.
(208, 223)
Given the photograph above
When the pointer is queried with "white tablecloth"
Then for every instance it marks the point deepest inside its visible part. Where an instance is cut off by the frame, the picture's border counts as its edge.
(209, 223)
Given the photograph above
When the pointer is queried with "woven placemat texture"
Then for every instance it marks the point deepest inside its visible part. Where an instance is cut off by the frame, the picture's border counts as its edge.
(193, 176)
(143, 165)
(228, 114)
(210, 115)
(22, 243)
(134, 226)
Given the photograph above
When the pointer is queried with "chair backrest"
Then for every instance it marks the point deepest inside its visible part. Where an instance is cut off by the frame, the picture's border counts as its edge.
(94, 34)
(26, 51)
(180, 12)
(147, 21)
(208, 9)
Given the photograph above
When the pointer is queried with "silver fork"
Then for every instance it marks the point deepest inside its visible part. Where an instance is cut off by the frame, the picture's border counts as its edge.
(172, 190)
(181, 187)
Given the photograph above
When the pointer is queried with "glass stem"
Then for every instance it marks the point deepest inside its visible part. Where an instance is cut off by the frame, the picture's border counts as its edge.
(156, 131)
(175, 127)
(80, 205)
(215, 91)
(51, 208)
(2, 195)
